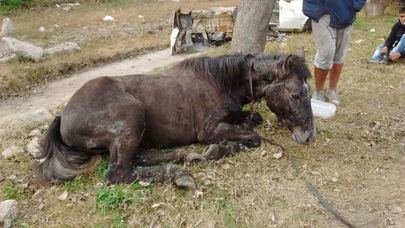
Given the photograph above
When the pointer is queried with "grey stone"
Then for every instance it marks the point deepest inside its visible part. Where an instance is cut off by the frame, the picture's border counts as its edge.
(12, 152)
(5, 52)
(8, 213)
(7, 58)
(63, 47)
(24, 49)
(7, 27)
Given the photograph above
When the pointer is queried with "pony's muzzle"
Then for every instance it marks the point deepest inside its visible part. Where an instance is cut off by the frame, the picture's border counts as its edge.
(303, 136)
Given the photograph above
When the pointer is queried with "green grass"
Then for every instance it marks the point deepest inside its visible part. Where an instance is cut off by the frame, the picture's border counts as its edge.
(12, 191)
(102, 169)
(113, 197)
(117, 197)
(79, 184)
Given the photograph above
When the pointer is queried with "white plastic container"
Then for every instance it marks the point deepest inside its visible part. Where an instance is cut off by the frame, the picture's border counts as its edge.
(322, 109)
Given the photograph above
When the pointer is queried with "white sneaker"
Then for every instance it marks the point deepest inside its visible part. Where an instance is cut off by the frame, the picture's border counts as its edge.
(333, 97)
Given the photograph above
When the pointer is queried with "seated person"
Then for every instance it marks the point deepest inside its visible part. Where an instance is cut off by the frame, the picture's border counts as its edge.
(394, 47)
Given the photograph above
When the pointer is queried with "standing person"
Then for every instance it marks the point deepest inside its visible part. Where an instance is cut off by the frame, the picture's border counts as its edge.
(331, 29)
(394, 46)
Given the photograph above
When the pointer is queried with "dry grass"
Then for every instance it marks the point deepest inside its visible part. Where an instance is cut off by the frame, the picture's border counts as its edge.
(356, 162)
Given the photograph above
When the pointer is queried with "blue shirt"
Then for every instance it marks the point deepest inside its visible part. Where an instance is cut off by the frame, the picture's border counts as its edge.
(342, 12)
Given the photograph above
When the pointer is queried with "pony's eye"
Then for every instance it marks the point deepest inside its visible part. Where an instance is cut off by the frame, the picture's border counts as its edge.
(295, 95)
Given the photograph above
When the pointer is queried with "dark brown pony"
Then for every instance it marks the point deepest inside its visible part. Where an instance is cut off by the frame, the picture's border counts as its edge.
(198, 100)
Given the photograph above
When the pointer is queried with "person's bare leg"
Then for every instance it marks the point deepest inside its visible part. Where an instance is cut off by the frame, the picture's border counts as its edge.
(334, 75)
(320, 78)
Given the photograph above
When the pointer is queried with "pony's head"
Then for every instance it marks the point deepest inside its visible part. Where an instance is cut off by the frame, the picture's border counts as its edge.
(281, 80)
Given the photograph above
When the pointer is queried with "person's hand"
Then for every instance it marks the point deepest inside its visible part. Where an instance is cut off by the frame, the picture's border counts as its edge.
(384, 50)
(395, 55)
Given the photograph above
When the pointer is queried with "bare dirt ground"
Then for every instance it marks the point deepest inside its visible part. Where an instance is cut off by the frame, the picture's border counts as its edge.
(357, 163)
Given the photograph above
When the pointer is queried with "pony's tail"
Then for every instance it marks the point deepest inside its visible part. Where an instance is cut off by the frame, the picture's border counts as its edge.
(59, 161)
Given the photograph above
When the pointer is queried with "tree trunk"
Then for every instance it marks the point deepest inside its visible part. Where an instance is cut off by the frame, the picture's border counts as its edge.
(252, 23)
(375, 8)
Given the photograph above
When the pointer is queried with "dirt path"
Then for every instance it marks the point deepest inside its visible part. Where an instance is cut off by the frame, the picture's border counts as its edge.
(60, 91)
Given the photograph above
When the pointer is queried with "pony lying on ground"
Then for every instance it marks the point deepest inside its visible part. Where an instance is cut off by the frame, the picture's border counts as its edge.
(199, 100)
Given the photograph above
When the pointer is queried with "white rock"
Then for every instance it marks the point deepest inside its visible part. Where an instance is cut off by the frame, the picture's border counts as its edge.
(70, 4)
(42, 29)
(24, 49)
(141, 18)
(278, 155)
(63, 47)
(108, 18)
(155, 205)
(7, 27)
(144, 183)
(8, 212)
(372, 30)
(33, 147)
(35, 133)
(198, 194)
(66, 8)
(63, 196)
(12, 152)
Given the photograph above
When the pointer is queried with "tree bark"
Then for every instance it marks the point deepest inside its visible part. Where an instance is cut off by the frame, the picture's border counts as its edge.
(375, 8)
(252, 23)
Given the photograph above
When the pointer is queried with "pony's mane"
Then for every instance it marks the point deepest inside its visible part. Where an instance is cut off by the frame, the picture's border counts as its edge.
(224, 72)
(299, 67)
(227, 72)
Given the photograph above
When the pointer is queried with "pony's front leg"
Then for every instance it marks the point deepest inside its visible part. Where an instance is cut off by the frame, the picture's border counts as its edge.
(230, 139)
(251, 119)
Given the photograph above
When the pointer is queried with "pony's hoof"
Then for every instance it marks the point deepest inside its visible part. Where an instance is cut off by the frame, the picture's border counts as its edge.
(195, 158)
(185, 181)
(212, 152)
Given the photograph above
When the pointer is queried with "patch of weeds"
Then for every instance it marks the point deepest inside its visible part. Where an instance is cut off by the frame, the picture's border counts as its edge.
(12, 191)
(113, 197)
(78, 184)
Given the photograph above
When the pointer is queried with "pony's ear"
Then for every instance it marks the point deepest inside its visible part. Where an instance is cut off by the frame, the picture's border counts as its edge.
(257, 69)
(287, 65)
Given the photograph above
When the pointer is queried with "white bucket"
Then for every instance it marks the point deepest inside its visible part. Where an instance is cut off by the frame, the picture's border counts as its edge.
(322, 109)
